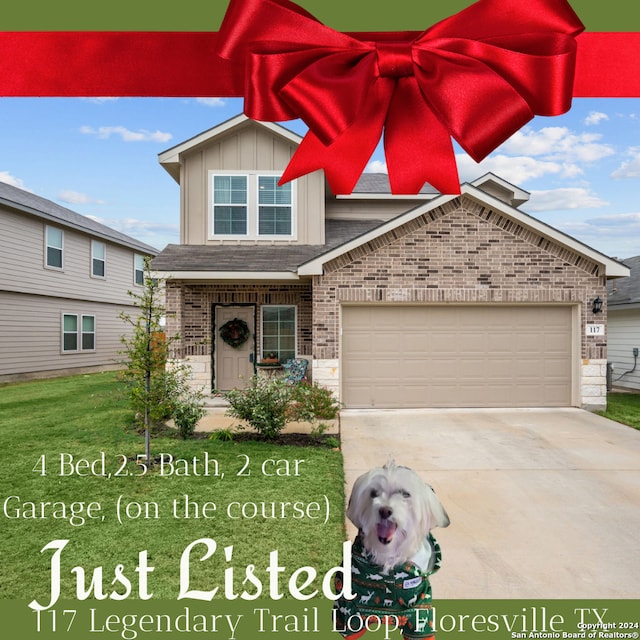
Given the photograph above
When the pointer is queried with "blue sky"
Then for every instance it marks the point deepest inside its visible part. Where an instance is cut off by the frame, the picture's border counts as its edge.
(99, 158)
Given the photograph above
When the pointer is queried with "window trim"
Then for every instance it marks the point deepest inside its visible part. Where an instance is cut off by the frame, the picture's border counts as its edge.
(103, 260)
(79, 332)
(253, 221)
(295, 326)
(63, 333)
(273, 236)
(136, 270)
(47, 246)
(82, 332)
(247, 205)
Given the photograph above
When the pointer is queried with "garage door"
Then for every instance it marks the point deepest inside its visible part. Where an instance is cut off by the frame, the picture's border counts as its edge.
(456, 356)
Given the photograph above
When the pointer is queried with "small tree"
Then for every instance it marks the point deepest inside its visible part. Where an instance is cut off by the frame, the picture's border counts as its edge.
(154, 389)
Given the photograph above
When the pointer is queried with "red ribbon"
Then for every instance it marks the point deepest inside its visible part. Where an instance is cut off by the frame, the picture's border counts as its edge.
(477, 77)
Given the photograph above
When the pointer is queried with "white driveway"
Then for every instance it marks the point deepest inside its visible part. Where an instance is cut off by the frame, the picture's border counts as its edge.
(544, 503)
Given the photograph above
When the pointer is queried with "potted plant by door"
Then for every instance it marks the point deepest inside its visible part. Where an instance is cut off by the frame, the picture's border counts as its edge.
(270, 359)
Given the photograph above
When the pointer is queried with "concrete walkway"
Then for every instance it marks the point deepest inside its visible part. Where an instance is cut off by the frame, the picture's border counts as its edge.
(543, 503)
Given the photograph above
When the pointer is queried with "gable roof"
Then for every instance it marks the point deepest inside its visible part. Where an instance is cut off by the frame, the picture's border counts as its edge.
(613, 268)
(626, 291)
(510, 193)
(31, 204)
(170, 158)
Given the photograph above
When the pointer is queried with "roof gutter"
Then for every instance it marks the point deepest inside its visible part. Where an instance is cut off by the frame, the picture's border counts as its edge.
(226, 275)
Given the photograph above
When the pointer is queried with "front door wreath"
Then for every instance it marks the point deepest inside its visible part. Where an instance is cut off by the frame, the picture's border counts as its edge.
(235, 332)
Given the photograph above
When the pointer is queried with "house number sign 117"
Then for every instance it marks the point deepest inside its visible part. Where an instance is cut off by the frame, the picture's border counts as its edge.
(595, 329)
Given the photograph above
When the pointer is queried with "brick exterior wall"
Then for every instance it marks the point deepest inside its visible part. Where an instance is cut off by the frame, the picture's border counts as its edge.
(461, 252)
(189, 314)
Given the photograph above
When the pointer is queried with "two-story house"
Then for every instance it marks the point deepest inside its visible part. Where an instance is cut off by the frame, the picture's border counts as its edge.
(397, 301)
(64, 281)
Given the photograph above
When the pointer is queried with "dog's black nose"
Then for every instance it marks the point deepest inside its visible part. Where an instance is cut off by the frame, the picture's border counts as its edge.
(385, 512)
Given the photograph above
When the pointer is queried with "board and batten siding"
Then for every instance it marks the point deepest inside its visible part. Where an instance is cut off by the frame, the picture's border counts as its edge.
(31, 334)
(22, 263)
(624, 335)
(251, 149)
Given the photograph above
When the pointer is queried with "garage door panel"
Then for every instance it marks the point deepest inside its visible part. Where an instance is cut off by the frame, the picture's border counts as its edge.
(420, 356)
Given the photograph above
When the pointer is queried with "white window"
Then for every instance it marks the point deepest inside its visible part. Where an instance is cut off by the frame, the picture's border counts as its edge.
(138, 268)
(278, 331)
(69, 333)
(78, 333)
(230, 205)
(252, 206)
(98, 259)
(274, 207)
(54, 241)
(88, 333)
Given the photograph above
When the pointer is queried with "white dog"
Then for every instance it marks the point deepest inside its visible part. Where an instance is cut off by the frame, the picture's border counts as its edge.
(394, 511)
(394, 553)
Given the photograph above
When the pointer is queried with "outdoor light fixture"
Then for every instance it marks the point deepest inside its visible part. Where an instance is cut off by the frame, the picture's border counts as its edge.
(597, 305)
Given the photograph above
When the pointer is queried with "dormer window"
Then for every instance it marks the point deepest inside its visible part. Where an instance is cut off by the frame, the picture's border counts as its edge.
(251, 206)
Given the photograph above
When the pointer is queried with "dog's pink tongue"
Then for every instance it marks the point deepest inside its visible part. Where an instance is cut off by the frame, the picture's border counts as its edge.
(386, 529)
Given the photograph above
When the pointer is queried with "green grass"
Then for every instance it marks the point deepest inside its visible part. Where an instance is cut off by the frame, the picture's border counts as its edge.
(86, 416)
(624, 408)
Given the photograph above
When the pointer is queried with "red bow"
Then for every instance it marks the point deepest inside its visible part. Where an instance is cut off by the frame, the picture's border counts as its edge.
(477, 77)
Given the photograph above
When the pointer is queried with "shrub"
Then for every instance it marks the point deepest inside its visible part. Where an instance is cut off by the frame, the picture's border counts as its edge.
(188, 411)
(268, 404)
(311, 402)
(263, 404)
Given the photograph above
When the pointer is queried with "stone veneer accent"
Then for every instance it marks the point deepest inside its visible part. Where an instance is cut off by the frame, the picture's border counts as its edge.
(461, 252)
(594, 385)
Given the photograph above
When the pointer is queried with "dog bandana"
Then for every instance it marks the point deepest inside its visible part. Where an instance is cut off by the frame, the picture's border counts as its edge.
(402, 594)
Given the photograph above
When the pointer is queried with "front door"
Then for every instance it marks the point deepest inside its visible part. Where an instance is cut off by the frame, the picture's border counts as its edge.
(234, 364)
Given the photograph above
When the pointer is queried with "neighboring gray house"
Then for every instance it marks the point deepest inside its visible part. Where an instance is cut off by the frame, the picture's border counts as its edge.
(624, 327)
(397, 301)
(63, 284)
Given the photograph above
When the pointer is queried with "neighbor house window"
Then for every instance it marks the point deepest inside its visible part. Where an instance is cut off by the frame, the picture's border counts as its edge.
(230, 205)
(279, 331)
(69, 332)
(252, 206)
(98, 259)
(54, 241)
(88, 333)
(78, 333)
(138, 266)
(274, 207)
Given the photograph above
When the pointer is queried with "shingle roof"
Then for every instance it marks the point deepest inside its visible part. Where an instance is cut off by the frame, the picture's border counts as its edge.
(378, 183)
(626, 290)
(265, 258)
(30, 203)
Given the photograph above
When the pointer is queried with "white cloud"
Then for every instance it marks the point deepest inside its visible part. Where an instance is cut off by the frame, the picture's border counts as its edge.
(211, 102)
(75, 197)
(564, 199)
(615, 234)
(101, 100)
(141, 229)
(629, 168)
(558, 144)
(7, 178)
(376, 166)
(595, 117)
(514, 169)
(142, 135)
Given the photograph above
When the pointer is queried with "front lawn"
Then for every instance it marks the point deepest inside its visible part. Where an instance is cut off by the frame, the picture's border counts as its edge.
(260, 499)
(624, 408)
